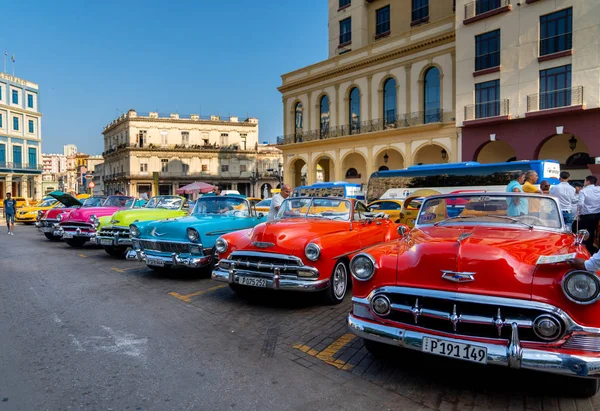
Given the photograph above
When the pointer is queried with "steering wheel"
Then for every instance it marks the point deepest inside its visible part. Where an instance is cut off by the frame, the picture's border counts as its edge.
(532, 220)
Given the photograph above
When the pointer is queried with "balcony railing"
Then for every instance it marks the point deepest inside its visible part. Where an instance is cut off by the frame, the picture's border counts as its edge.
(488, 109)
(555, 99)
(478, 7)
(369, 126)
(21, 166)
(174, 147)
(555, 44)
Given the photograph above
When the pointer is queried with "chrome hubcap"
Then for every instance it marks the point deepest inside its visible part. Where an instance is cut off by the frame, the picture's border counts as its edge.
(339, 281)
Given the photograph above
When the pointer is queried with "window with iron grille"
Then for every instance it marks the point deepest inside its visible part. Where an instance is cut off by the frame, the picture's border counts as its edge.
(164, 165)
(420, 10)
(556, 32)
(346, 31)
(487, 50)
(185, 137)
(487, 99)
(344, 3)
(243, 168)
(383, 21)
(555, 87)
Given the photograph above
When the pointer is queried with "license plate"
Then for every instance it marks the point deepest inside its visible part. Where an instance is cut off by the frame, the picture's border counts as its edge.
(48, 229)
(106, 241)
(67, 234)
(157, 262)
(253, 282)
(445, 348)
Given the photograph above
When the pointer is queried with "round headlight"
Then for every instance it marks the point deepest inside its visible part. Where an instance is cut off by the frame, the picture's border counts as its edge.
(193, 235)
(93, 218)
(362, 267)
(581, 287)
(221, 245)
(547, 327)
(312, 251)
(59, 217)
(381, 305)
(135, 232)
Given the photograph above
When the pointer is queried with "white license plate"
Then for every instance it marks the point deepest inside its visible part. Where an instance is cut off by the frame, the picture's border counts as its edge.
(67, 234)
(48, 229)
(445, 348)
(106, 241)
(253, 282)
(157, 262)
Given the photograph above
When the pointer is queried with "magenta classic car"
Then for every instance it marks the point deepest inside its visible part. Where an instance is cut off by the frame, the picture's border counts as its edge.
(79, 226)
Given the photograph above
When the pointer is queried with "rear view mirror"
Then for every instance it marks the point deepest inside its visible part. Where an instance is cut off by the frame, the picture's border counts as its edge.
(260, 215)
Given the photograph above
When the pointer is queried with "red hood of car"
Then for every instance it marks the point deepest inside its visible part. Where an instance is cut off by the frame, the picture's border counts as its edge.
(502, 259)
(292, 234)
(83, 214)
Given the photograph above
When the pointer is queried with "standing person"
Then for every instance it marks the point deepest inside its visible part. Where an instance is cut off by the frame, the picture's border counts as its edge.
(589, 210)
(286, 190)
(574, 209)
(516, 206)
(531, 177)
(565, 193)
(10, 208)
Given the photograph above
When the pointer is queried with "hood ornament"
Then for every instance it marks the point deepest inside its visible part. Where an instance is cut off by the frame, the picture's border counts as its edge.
(463, 236)
(157, 234)
(458, 277)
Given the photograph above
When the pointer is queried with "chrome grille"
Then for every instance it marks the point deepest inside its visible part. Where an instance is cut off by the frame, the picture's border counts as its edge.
(583, 342)
(48, 223)
(485, 317)
(74, 225)
(122, 232)
(265, 263)
(165, 247)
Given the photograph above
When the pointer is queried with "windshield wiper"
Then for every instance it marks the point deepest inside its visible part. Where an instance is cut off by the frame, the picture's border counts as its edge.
(513, 219)
(458, 217)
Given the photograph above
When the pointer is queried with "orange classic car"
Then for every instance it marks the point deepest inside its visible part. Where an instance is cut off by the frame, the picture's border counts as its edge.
(306, 248)
(493, 284)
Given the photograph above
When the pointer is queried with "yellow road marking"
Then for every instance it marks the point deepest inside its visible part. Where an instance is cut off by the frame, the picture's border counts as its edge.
(122, 270)
(188, 298)
(82, 255)
(327, 355)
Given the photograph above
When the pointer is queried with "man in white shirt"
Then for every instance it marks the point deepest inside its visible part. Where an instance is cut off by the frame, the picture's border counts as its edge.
(565, 193)
(593, 264)
(589, 206)
(286, 190)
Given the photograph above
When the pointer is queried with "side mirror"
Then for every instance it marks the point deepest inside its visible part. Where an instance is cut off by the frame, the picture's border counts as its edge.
(581, 236)
(403, 230)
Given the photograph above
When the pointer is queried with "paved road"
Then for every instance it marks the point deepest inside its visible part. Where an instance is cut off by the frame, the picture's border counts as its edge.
(80, 330)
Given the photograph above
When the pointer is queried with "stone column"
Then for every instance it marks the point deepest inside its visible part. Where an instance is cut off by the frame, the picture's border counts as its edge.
(24, 187)
(8, 184)
(39, 191)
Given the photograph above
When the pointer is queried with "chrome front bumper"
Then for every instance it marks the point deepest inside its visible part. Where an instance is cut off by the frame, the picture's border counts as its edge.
(172, 260)
(77, 233)
(112, 241)
(276, 281)
(510, 355)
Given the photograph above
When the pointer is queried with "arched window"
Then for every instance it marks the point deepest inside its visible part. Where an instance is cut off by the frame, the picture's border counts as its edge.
(432, 96)
(384, 168)
(324, 116)
(579, 160)
(354, 110)
(352, 173)
(389, 102)
(298, 122)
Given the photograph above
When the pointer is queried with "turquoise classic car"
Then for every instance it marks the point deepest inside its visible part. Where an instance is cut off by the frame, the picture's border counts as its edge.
(190, 241)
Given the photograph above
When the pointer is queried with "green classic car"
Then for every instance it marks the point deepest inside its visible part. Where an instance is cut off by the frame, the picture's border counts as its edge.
(113, 231)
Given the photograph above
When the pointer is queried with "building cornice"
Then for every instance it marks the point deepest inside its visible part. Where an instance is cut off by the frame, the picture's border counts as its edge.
(20, 110)
(372, 60)
(178, 121)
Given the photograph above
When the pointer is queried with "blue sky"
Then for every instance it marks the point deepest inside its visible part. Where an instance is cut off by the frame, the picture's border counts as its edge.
(94, 60)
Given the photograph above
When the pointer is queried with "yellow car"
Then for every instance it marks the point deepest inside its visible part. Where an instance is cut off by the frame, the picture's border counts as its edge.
(254, 201)
(263, 206)
(391, 207)
(412, 204)
(21, 202)
(28, 215)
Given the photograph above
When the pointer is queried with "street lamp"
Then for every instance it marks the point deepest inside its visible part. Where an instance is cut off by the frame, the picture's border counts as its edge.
(253, 180)
(572, 143)
(385, 158)
(444, 154)
(279, 174)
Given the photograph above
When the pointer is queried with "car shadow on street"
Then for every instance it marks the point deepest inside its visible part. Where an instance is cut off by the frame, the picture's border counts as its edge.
(282, 299)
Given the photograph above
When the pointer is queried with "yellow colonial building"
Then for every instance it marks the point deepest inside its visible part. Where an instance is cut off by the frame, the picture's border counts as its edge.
(384, 99)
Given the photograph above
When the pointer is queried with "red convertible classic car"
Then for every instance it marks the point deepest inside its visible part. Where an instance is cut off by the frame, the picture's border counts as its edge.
(490, 283)
(307, 248)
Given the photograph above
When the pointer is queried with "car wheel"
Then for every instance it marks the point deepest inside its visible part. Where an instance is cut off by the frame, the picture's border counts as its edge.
(118, 252)
(581, 387)
(76, 242)
(52, 237)
(338, 284)
(214, 259)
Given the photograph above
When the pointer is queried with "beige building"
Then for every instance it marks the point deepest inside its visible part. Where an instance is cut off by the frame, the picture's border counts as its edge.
(385, 97)
(184, 149)
(528, 81)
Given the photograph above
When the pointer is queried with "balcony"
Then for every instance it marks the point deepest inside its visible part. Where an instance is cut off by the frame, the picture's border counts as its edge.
(21, 167)
(566, 99)
(481, 9)
(488, 111)
(369, 126)
(174, 147)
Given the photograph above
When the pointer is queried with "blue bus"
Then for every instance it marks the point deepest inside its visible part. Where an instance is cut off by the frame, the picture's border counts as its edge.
(455, 177)
(330, 189)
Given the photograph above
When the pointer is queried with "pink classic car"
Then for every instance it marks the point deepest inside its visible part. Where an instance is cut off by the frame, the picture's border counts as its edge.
(48, 219)
(79, 226)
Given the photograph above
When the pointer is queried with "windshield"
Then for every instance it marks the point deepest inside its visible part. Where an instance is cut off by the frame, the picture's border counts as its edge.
(48, 202)
(385, 205)
(166, 202)
(530, 211)
(118, 201)
(94, 201)
(264, 203)
(222, 205)
(332, 209)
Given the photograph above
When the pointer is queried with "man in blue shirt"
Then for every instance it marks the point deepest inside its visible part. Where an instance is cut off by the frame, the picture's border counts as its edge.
(517, 206)
(10, 207)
